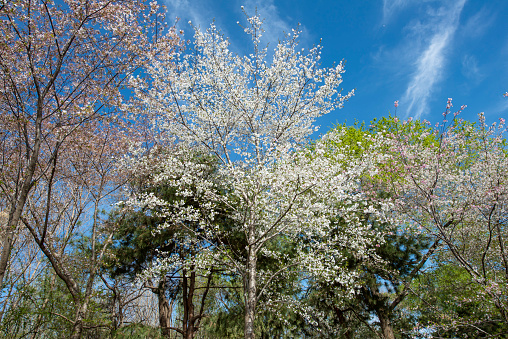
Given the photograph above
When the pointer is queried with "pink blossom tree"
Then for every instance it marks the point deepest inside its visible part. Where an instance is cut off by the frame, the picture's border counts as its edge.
(63, 67)
(455, 190)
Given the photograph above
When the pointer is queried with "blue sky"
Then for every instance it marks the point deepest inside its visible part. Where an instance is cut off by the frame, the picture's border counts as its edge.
(419, 52)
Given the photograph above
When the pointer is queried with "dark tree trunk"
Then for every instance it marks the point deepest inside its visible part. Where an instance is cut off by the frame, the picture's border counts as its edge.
(343, 322)
(165, 309)
(189, 285)
(386, 324)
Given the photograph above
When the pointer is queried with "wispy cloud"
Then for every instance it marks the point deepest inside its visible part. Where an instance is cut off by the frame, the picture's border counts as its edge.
(392, 7)
(198, 12)
(470, 68)
(477, 25)
(503, 106)
(498, 108)
(202, 12)
(428, 73)
(274, 23)
(431, 60)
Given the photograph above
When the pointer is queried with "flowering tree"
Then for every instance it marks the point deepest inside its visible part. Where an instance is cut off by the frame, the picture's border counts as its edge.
(63, 65)
(136, 253)
(455, 190)
(386, 275)
(253, 116)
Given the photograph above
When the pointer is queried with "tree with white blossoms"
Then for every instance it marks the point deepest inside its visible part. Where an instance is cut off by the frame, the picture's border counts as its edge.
(254, 116)
(384, 278)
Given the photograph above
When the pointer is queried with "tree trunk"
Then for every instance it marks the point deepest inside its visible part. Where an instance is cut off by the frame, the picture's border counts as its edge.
(189, 319)
(164, 310)
(343, 322)
(251, 287)
(18, 203)
(386, 325)
(77, 328)
(6, 253)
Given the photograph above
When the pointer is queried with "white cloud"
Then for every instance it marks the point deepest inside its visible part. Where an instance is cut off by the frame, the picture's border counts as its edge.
(392, 7)
(478, 24)
(431, 60)
(428, 72)
(470, 68)
(498, 108)
(274, 23)
(202, 12)
(197, 12)
(503, 106)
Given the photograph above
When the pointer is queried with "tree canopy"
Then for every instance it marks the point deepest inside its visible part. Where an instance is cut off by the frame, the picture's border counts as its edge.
(154, 189)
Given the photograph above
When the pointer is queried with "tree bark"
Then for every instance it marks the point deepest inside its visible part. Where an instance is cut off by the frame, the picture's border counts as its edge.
(251, 288)
(164, 309)
(343, 322)
(6, 252)
(386, 325)
(18, 203)
(77, 328)
(189, 319)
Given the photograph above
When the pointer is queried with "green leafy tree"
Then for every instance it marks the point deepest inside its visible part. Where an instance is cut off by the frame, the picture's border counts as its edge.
(142, 235)
(450, 305)
(384, 277)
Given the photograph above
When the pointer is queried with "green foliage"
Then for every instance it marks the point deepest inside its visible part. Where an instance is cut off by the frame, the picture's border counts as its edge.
(381, 278)
(356, 138)
(17, 321)
(225, 319)
(137, 331)
(134, 245)
(383, 274)
(44, 305)
(445, 302)
(141, 235)
(450, 305)
(275, 319)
